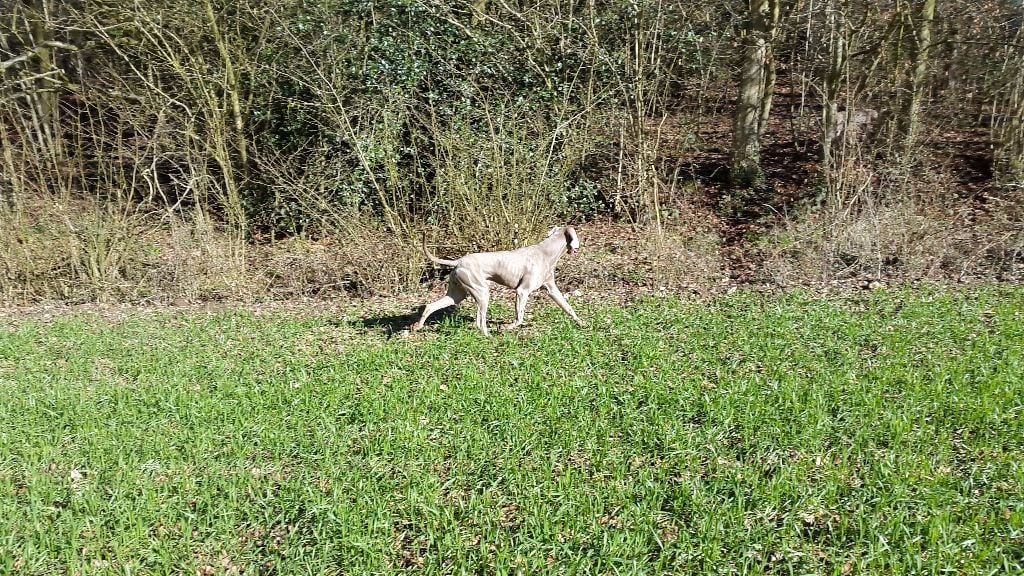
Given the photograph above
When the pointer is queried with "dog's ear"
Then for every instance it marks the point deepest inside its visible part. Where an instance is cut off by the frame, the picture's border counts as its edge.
(572, 240)
(552, 231)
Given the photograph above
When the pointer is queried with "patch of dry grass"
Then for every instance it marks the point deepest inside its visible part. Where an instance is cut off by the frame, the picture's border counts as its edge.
(88, 251)
(360, 259)
(197, 259)
(685, 256)
(904, 240)
(71, 250)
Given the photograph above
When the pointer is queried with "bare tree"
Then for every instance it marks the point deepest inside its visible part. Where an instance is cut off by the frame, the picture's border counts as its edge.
(1009, 127)
(915, 85)
(746, 150)
(833, 82)
(770, 66)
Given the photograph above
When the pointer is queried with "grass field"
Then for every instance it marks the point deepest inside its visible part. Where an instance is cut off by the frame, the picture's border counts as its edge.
(875, 433)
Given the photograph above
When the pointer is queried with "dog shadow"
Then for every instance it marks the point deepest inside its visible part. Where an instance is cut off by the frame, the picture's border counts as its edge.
(392, 324)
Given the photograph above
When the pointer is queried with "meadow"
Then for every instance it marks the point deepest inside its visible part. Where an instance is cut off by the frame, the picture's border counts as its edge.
(869, 433)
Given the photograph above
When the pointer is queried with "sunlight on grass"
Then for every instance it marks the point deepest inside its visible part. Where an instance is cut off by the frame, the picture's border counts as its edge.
(878, 433)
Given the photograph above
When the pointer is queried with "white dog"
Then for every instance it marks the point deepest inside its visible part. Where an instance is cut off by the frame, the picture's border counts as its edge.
(524, 270)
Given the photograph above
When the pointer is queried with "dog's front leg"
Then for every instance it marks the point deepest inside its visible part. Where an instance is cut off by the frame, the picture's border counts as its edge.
(556, 295)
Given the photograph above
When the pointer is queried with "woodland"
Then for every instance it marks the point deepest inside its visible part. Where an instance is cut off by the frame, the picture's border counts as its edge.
(212, 149)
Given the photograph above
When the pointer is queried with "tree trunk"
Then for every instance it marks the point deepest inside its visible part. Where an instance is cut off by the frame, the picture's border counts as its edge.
(232, 88)
(1010, 164)
(910, 124)
(746, 156)
(770, 74)
(44, 96)
(1009, 154)
(479, 10)
(833, 81)
(236, 172)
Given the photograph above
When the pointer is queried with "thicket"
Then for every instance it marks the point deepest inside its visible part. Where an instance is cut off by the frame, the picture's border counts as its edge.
(161, 142)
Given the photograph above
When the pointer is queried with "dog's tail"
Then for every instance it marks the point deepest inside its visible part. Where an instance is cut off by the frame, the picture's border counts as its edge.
(433, 258)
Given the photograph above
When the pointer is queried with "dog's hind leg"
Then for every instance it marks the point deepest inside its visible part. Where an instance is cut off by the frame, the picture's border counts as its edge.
(482, 296)
(456, 293)
(522, 295)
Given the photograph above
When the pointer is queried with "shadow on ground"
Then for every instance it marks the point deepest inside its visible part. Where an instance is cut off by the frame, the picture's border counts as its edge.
(390, 324)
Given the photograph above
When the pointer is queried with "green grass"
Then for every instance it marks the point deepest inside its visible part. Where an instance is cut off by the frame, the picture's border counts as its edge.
(875, 434)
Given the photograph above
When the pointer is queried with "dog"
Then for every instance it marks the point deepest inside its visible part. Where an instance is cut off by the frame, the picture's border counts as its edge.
(523, 270)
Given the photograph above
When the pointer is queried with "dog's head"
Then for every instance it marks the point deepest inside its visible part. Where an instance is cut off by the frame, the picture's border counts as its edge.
(572, 240)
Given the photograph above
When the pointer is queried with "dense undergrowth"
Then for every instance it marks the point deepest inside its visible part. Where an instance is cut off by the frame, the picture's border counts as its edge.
(182, 150)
